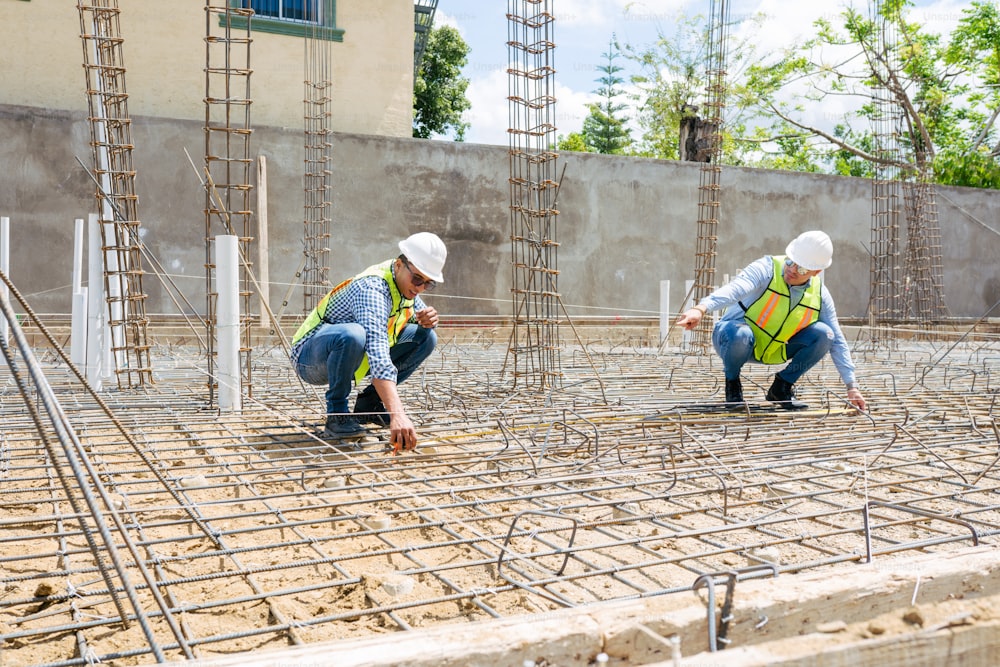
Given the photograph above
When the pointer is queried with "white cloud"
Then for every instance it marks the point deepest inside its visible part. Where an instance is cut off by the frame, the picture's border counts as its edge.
(582, 32)
(443, 18)
(489, 116)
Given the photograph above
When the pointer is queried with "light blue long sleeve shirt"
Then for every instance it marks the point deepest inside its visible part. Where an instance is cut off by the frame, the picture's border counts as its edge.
(751, 283)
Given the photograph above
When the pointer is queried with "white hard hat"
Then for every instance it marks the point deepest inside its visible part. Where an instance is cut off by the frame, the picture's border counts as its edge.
(811, 250)
(427, 253)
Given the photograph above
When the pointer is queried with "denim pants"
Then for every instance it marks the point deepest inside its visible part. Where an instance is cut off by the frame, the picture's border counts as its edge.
(332, 355)
(733, 341)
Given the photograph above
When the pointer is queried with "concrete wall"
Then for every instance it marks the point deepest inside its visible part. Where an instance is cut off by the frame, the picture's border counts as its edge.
(164, 55)
(624, 223)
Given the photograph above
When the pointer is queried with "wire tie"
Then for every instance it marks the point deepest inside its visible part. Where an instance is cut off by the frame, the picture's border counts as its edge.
(761, 623)
(87, 614)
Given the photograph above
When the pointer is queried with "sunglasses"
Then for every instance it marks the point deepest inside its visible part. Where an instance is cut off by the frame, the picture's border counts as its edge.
(417, 279)
(798, 269)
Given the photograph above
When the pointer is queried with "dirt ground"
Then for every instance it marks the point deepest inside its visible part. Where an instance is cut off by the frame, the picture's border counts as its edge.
(221, 534)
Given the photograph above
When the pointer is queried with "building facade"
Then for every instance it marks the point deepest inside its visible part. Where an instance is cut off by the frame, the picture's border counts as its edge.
(165, 56)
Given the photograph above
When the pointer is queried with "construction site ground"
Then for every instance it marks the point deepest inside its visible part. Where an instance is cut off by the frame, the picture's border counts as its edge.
(601, 518)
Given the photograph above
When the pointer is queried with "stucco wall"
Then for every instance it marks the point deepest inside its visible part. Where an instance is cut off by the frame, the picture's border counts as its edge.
(624, 223)
(164, 55)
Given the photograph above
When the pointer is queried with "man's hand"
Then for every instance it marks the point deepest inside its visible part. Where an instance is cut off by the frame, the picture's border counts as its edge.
(402, 434)
(690, 318)
(856, 399)
(427, 318)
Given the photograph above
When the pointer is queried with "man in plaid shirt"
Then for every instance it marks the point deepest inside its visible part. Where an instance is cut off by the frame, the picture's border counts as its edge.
(373, 325)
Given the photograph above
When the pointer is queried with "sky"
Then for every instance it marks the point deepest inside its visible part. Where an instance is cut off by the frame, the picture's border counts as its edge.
(582, 33)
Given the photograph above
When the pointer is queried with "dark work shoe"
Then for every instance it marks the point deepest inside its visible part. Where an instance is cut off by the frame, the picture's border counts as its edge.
(368, 408)
(734, 391)
(783, 393)
(343, 427)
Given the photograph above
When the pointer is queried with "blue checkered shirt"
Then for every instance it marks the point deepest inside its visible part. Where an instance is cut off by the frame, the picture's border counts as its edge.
(366, 301)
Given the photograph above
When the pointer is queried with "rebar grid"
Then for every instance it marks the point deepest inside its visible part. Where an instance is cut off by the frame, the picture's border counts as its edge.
(708, 187)
(534, 189)
(111, 154)
(228, 169)
(318, 162)
(260, 535)
(885, 307)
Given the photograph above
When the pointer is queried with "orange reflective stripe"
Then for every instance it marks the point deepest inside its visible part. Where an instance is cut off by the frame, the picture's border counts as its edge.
(767, 311)
(803, 322)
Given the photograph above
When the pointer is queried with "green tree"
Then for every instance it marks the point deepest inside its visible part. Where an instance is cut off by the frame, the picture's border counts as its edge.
(573, 142)
(604, 129)
(947, 93)
(975, 45)
(671, 85)
(439, 90)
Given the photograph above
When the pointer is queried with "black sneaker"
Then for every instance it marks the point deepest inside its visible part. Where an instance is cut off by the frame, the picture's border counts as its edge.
(734, 391)
(342, 427)
(783, 393)
(368, 408)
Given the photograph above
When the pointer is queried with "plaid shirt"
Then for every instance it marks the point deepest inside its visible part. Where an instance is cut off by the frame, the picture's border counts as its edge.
(368, 302)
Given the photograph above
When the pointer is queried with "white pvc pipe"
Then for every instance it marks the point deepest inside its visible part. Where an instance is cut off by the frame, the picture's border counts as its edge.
(96, 312)
(5, 267)
(78, 319)
(263, 245)
(77, 255)
(228, 322)
(664, 310)
(687, 336)
(78, 329)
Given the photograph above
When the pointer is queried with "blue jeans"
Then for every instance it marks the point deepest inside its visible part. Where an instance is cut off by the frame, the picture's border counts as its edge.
(733, 342)
(332, 355)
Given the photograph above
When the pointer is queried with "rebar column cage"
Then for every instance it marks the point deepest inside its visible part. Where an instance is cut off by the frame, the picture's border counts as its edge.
(228, 168)
(708, 187)
(885, 304)
(318, 177)
(111, 154)
(923, 285)
(534, 343)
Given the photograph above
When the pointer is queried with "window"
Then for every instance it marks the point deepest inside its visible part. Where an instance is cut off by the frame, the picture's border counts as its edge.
(302, 18)
(291, 10)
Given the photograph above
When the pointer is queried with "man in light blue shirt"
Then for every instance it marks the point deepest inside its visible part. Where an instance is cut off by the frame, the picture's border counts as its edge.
(778, 310)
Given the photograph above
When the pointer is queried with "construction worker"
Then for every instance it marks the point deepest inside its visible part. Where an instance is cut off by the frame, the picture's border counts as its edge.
(778, 310)
(373, 324)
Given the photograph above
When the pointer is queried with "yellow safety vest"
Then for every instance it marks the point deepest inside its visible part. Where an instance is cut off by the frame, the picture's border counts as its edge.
(399, 316)
(773, 324)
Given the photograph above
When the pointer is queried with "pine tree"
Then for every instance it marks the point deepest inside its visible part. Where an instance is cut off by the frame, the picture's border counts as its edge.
(604, 130)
